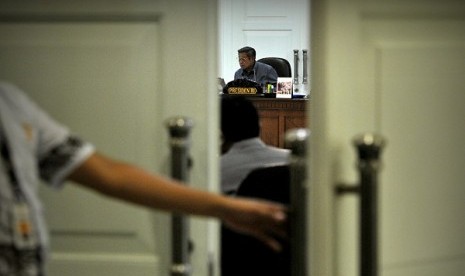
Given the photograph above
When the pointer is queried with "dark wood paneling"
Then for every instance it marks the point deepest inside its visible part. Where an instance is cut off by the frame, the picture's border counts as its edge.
(278, 116)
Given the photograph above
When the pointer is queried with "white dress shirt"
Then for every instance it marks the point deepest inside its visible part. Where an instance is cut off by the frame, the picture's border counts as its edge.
(245, 156)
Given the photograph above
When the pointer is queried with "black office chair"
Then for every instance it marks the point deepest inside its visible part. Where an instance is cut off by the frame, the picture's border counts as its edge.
(243, 255)
(281, 65)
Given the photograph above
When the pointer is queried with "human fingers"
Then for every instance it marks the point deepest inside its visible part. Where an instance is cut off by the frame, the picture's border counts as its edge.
(261, 219)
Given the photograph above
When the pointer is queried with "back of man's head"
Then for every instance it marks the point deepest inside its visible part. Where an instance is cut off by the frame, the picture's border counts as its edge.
(239, 119)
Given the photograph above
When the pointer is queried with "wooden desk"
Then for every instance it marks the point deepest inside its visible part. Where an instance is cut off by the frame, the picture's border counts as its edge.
(279, 115)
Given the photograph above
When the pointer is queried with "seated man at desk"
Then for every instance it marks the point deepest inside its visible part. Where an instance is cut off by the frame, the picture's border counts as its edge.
(242, 149)
(254, 70)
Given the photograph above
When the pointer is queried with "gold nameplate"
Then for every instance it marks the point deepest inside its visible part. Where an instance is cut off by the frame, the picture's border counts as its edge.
(242, 90)
(243, 87)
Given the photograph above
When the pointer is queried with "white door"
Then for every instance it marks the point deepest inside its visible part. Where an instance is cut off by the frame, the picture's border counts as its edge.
(394, 68)
(105, 71)
(273, 28)
(83, 74)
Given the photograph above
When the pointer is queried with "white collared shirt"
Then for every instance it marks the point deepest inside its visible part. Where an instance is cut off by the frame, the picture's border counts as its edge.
(245, 156)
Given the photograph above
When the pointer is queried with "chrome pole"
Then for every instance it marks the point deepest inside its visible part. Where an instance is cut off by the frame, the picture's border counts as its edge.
(369, 147)
(304, 65)
(179, 130)
(296, 141)
(296, 67)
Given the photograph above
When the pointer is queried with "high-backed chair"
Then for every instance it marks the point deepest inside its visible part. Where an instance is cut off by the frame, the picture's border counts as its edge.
(281, 65)
(243, 255)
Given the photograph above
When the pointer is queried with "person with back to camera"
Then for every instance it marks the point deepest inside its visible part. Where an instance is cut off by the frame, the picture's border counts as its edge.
(254, 70)
(36, 147)
(242, 148)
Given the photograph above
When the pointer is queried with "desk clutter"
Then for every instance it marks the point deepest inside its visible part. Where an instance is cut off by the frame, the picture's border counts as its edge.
(245, 87)
(288, 85)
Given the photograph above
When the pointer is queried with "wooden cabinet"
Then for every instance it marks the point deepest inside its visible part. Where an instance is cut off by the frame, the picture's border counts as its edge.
(279, 115)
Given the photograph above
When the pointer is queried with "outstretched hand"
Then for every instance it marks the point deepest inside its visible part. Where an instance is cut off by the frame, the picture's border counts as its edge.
(259, 218)
(262, 219)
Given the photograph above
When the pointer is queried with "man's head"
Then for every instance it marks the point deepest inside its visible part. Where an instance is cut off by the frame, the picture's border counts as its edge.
(239, 119)
(246, 57)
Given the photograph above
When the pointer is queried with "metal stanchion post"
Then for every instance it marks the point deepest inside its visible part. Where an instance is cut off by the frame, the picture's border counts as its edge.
(179, 130)
(369, 147)
(369, 150)
(296, 141)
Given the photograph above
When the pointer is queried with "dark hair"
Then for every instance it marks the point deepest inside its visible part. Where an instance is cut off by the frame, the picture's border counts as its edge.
(239, 119)
(248, 50)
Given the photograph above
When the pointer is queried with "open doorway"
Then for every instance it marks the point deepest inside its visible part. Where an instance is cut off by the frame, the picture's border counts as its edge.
(277, 29)
(273, 28)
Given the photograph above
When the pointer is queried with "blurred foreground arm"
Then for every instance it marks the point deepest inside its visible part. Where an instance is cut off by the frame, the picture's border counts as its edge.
(261, 219)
